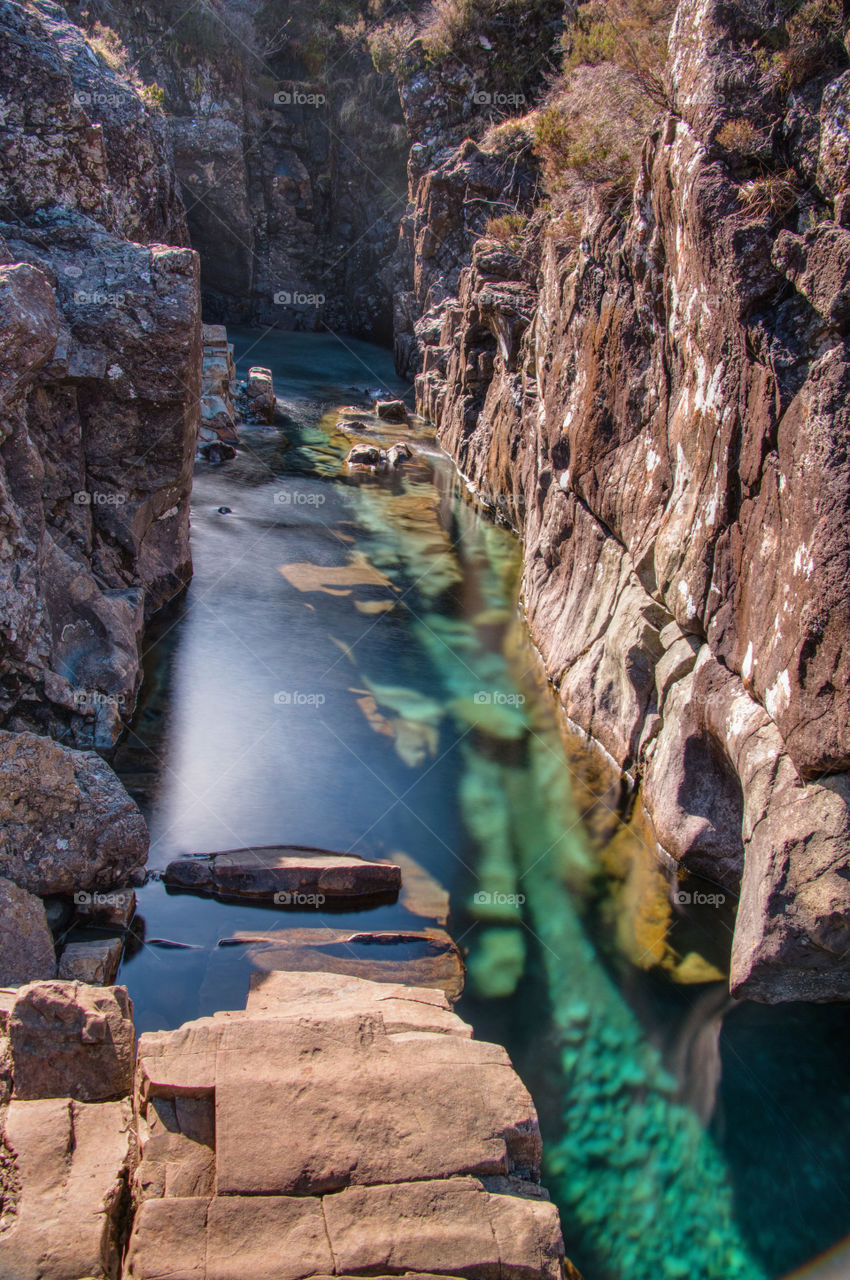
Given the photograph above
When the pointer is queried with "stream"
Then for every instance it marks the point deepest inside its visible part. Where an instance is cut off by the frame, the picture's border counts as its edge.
(349, 669)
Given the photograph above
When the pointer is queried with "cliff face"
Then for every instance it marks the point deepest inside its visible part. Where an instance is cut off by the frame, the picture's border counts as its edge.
(100, 321)
(658, 404)
(289, 149)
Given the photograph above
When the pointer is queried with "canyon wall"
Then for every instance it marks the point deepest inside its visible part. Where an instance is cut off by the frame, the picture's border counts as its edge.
(656, 400)
(290, 152)
(100, 317)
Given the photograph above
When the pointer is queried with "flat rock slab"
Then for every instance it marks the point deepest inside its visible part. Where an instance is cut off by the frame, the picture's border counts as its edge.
(68, 1163)
(354, 1104)
(276, 871)
(446, 1228)
(421, 958)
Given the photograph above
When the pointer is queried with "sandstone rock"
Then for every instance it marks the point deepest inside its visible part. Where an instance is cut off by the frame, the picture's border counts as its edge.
(308, 1091)
(67, 823)
(284, 873)
(456, 1225)
(95, 962)
(250, 1237)
(72, 1040)
(63, 1198)
(352, 1122)
(392, 410)
(26, 945)
(260, 393)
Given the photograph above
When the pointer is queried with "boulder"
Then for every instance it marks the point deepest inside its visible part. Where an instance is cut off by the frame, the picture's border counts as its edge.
(62, 1188)
(366, 456)
(284, 873)
(70, 1040)
(392, 410)
(94, 961)
(260, 393)
(26, 944)
(397, 454)
(66, 823)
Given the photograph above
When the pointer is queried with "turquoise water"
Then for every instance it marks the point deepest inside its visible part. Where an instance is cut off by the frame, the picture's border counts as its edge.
(348, 669)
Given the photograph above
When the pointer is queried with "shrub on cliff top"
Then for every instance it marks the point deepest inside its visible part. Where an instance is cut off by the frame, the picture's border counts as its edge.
(507, 229)
(630, 34)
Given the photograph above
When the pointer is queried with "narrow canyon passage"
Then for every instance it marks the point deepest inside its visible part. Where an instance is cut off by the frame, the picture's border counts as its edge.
(348, 669)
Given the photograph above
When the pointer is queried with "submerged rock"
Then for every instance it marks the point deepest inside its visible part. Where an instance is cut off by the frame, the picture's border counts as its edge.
(66, 823)
(420, 958)
(284, 873)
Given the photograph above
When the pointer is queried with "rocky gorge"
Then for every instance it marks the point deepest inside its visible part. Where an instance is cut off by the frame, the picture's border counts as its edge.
(634, 355)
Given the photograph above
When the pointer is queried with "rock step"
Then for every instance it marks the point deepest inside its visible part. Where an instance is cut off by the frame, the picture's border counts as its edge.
(336, 1127)
(276, 871)
(421, 958)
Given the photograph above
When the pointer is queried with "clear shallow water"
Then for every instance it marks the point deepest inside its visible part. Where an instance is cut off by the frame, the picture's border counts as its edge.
(348, 670)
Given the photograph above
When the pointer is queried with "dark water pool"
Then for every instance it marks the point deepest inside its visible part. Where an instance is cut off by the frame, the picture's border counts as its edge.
(348, 670)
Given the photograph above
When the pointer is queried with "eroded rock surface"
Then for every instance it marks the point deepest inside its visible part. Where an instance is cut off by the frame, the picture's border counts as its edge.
(284, 873)
(66, 823)
(99, 393)
(26, 944)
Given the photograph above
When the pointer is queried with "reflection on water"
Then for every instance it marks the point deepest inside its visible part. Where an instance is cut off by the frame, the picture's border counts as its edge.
(348, 670)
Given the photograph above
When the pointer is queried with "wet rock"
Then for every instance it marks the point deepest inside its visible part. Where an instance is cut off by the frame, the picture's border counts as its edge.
(421, 958)
(260, 393)
(68, 825)
(284, 873)
(392, 410)
(218, 413)
(93, 961)
(366, 457)
(72, 1040)
(26, 944)
(397, 454)
(65, 1174)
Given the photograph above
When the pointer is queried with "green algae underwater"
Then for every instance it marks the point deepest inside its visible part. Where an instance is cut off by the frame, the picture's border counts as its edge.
(349, 669)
